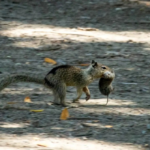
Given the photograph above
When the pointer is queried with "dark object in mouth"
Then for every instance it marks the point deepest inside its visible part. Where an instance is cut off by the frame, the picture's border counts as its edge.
(105, 85)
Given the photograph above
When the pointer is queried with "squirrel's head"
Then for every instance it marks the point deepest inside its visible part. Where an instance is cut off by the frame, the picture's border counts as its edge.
(101, 71)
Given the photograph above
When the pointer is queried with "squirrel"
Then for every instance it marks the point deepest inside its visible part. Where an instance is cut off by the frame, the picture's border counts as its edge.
(105, 84)
(61, 76)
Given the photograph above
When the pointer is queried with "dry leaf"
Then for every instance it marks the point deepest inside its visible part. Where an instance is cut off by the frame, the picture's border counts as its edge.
(27, 99)
(43, 145)
(27, 121)
(64, 114)
(84, 64)
(109, 126)
(48, 60)
(37, 110)
(96, 121)
(11, 102)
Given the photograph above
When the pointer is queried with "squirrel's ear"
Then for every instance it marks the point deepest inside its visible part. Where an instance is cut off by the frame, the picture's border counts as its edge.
(94, 64)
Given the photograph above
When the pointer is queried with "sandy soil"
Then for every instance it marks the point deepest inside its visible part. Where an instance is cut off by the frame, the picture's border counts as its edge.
(113, 32)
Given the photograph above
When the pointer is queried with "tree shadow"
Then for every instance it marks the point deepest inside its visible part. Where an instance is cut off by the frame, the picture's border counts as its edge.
(129, 58)
(96, 14)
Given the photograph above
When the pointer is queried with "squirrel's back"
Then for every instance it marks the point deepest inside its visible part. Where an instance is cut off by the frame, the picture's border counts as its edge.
(70, 75)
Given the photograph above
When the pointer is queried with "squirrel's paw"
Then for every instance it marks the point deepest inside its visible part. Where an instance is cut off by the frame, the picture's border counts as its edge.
(87, 97)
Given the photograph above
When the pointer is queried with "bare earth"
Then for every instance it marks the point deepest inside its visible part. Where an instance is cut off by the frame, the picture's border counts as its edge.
(113, 32)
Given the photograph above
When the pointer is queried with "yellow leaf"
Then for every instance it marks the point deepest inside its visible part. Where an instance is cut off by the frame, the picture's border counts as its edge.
(109, 126)
(64, 114)
(11, 102)
(84, 64)
(43, 145)
(27, 99)
(48, 60)
(37, 110)
(96, 121)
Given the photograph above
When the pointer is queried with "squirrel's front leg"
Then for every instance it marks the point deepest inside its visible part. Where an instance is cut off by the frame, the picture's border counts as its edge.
(87, 92)
(79, 93)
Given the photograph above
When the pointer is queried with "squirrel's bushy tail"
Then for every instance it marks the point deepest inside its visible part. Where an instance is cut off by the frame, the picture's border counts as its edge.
(7, 80)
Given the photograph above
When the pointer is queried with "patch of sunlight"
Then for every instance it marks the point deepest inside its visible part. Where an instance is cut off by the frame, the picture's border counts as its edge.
(56, 128)
(23, 44)
(23, 90)
(125, 107)
(147, 49)
(82, 144)
(30, 30)
(144, 3)
(112, 102)
(12, 125)
(68, 143)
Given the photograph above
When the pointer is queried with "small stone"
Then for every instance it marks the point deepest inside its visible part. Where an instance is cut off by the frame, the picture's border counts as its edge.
(61, 62)
(143, 132)
(18, 64)
(27, 63)
(118, 9)
(148, 126)
(84, 138)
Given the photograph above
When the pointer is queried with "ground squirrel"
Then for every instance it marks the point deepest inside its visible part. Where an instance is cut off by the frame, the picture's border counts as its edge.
(60, 77)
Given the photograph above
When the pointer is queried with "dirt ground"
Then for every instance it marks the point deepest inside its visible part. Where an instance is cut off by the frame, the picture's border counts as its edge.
(113, 32)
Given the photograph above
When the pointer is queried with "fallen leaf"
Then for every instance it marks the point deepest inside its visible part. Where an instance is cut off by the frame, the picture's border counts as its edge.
(109, 126)
(84, 64)
(48, 60)
(96, 121)
(64, 114)
(43, 145)
(37, 110)
(27, 99)
(27, 121)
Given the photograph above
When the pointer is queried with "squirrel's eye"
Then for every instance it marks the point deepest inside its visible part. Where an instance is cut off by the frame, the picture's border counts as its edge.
(103, 67)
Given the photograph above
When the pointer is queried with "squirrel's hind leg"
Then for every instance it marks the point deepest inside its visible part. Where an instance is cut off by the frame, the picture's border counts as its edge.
(56, 98)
